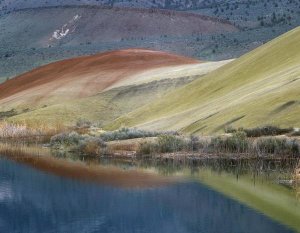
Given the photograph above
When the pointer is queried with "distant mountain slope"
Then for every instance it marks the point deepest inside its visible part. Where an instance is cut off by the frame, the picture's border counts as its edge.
(33, 37)
(10, 5)
(83, 76)
(163, 4)
(259, 88)
(28, 32)
(244, 13)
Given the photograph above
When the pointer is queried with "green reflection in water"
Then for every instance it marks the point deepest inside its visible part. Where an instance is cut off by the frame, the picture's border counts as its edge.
(252, 182)
(271, 199)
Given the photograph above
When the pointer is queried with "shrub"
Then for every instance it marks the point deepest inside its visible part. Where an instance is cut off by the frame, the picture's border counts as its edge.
(230, 129)
(296, 133)
(83, 123)
(66, 139)
(237, 143)
(261, 131)
(82, 143)
(170, 143)
(267, 131)
(277, 146)
(195, 144)
(92, 146)
(126, 133)
(147, 148)
(164, 144)
(7, 114)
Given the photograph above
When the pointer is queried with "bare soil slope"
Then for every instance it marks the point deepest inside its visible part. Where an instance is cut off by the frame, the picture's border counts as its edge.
(83, 76)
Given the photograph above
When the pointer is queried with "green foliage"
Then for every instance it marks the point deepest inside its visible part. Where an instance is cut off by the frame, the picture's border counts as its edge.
(165, 144)
(170, 143)
(80, 143)
(194, 144)
(278, 146)
(6, 114)
(237, 143)
(296, 133)
(92, 146)
(83, 123)
(66, 139)
(147, 148)
(267, 131)
(126, 133)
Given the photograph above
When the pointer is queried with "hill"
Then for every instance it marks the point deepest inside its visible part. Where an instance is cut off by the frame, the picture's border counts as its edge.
(261, 87)
(173, 29)
(83, 76)
(258, 22)
(99, 88)
(38, 36)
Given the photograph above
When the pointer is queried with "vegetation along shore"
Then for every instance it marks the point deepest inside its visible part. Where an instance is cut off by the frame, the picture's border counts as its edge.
(88, 139)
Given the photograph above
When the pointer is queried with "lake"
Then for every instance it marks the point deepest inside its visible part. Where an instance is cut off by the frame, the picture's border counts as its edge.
(141, 196)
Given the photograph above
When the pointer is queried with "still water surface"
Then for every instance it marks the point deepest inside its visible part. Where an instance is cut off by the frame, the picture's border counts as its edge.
(35, 201)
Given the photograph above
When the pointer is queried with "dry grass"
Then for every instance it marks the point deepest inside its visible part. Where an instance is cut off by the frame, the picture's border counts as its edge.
(260, 88)
(18, 130)
(127, 145)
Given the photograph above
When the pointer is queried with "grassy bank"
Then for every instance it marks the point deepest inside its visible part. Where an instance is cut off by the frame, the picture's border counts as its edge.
(135, 142)
(88, 139)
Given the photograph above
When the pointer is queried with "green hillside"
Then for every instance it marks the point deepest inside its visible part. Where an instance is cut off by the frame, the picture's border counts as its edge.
(262, 87)
(105, 106)
(102, 108)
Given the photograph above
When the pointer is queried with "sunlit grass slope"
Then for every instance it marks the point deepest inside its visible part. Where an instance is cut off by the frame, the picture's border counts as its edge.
(101, 108)
(262, 87)
(122, 97)
(273, 200)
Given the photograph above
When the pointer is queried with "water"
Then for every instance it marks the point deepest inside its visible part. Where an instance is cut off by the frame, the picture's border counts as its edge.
(35, 199)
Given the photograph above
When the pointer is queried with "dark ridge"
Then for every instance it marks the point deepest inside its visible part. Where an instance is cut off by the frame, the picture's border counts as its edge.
(205, 118)
(195, 122)
(294, 80)
(289, 82)
(228, 123)
(211, 115)
(198, 130)
(284, 106)
(7, 114)
(202, 119)
(218, 89)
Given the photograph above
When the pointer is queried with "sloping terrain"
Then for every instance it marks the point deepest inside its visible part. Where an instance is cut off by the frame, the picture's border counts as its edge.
(261, 87)
(69, 22)
(34, 37)
(99, 88)
(83, 76)
(101, 108)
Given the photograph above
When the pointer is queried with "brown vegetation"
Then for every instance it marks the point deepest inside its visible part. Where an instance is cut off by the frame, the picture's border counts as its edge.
(26, 132)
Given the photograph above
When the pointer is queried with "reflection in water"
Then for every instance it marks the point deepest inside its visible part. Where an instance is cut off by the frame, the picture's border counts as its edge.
(6, 193)
(109, 195)
(297, 180)
(46, 203)
(41, 159)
